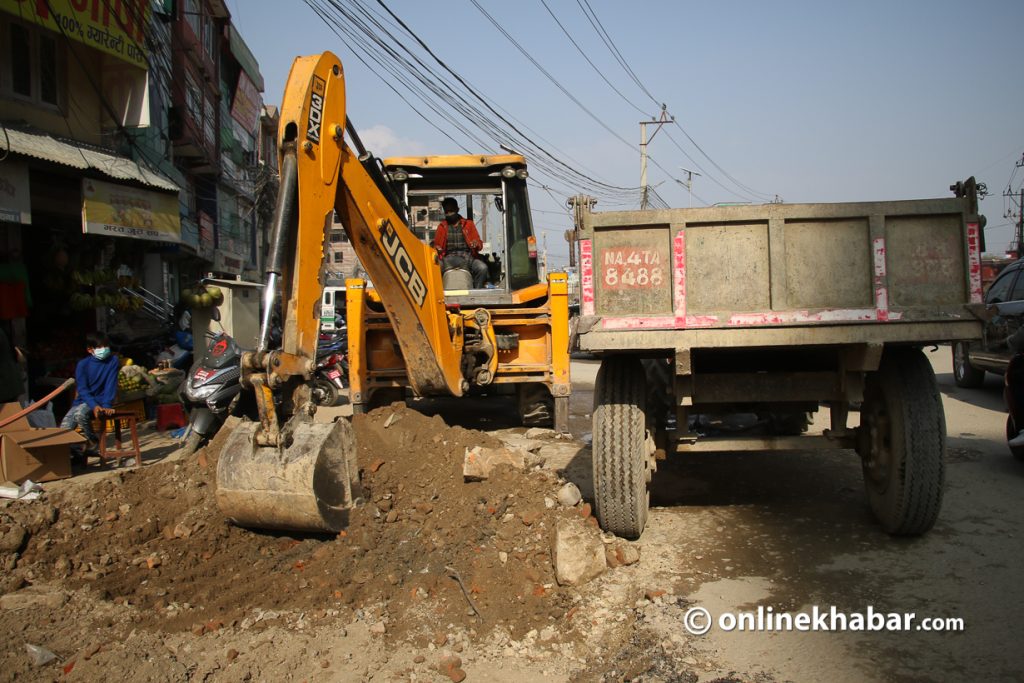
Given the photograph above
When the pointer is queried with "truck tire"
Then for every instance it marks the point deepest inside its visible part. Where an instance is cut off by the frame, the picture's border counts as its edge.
(902, 443)
(619, 448)
(1011, 431)
(964, 374)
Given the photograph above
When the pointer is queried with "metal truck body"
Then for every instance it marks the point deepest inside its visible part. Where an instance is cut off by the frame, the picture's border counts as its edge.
(776, 310)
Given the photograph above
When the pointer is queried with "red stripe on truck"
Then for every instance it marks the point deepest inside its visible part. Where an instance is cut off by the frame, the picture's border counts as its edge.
(974, 256)
(587, 277)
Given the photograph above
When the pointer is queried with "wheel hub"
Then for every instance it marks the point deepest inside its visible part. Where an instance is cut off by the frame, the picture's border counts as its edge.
(876, 449)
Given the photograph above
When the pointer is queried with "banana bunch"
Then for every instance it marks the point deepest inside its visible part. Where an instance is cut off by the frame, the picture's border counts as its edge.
(132, 378)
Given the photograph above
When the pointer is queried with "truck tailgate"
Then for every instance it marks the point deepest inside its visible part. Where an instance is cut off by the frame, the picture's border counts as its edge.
(783, 265)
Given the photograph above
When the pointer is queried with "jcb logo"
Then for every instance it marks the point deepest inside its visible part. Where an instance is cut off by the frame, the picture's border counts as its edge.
(403, 263)
(316, 110)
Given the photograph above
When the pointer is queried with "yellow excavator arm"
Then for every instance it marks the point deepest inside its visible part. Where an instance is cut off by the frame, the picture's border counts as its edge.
(287, 471)
(326, 174)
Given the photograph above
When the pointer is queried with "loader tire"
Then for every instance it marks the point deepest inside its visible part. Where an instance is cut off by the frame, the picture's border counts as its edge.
(903, 443)
(535, 405)
(620, 459)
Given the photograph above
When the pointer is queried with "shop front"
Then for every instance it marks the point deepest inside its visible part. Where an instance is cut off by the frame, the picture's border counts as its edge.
(81, 250)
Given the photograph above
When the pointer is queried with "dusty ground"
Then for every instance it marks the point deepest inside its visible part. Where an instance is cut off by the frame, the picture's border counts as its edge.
(134, 575)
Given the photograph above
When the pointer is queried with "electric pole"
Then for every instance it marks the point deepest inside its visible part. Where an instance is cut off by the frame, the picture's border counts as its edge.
(689, 183)
(1017, 246)
(660, 121)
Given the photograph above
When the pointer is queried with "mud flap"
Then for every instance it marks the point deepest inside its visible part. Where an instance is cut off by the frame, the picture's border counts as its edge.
(308, 486)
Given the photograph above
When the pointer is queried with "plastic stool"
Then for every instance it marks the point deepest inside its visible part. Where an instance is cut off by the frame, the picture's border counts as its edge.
(170, 416)
(119, 452)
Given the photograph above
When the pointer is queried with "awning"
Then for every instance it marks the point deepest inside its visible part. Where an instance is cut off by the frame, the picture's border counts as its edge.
(78, 155)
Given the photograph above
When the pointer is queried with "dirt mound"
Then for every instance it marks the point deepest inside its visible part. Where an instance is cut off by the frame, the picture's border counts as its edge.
(154, 540)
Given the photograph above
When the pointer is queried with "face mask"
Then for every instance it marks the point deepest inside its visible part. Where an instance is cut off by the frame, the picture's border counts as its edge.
(452, 218)
(102, 353)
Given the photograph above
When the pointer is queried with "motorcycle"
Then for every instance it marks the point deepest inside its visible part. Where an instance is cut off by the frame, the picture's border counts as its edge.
(331, 376)
(211, 392)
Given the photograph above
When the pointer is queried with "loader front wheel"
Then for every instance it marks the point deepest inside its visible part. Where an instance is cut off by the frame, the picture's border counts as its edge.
(620, 459)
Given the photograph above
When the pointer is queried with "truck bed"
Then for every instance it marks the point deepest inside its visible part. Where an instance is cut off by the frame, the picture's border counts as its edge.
(780, 275)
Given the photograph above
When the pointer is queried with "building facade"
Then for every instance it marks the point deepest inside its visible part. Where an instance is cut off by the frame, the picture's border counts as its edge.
(129, 166)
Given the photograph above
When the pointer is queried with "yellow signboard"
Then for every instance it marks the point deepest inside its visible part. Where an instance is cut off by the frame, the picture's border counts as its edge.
(117, 27)
(122, 211)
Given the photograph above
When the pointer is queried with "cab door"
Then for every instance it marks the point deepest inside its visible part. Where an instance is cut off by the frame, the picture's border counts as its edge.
(1006, 297)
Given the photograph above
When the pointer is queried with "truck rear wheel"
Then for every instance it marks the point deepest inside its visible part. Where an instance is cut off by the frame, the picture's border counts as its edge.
(964, 374)
(620, 447)
(903, 443)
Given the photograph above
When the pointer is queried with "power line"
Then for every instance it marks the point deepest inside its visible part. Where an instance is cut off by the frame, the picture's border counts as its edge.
(472, 91)
(598, 27)
(371, 35)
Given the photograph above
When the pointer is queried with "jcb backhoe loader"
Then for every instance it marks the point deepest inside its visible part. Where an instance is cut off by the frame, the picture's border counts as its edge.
(289, 472)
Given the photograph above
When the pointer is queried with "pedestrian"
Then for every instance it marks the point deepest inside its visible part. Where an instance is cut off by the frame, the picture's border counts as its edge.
(458, 243)
(96, 383)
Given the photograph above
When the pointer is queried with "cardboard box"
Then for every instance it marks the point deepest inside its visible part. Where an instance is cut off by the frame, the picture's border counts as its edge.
(36, 454)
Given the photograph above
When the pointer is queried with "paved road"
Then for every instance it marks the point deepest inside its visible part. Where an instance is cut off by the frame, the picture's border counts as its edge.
(791, 531)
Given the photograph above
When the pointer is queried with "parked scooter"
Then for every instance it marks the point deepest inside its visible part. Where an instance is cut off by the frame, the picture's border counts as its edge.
(211, 392)
(331, 376)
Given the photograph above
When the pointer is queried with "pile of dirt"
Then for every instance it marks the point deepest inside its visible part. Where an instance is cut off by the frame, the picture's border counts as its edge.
(426, 553)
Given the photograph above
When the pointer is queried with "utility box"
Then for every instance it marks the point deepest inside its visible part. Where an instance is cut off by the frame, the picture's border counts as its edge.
(239, 314)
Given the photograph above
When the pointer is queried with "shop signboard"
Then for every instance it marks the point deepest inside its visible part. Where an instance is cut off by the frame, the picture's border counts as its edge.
(228, 262)
(122, 211)
(15, 205)
(245, 108)
(116, 28)
(205, 249)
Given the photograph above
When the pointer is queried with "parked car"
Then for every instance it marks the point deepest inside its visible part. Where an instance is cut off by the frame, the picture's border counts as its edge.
(971, 360)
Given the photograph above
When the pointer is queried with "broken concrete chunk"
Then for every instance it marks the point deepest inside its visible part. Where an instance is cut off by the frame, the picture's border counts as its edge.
(621, 554)
(13, 540)
(569, 494)
(479, 462)
(39, 595)
(578, 553)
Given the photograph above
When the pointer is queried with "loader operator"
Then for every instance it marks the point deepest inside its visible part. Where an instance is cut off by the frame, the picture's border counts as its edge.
(458, 243)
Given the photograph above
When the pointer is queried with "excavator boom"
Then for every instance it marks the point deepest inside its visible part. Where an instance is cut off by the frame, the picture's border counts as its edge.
(286, 471)
(331, 176)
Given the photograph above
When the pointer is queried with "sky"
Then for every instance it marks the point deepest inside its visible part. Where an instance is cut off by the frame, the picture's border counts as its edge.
(807, 101)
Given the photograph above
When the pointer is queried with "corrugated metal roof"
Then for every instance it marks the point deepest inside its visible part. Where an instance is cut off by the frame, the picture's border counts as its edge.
(69, 153)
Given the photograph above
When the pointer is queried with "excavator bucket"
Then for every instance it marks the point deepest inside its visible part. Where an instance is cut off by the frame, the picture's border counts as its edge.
(310, 485)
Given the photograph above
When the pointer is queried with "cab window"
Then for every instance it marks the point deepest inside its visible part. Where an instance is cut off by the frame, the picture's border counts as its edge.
(522, 266)
(1001, 289)
(1017, 293)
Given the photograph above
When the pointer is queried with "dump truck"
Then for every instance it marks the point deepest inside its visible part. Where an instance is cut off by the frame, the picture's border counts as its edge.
(773, 312)
(287, 471)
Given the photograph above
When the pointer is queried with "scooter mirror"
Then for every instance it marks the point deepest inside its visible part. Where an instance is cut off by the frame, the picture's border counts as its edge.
(215, 314)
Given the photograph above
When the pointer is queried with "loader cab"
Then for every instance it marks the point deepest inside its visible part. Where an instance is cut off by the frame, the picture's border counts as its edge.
(492, 192)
